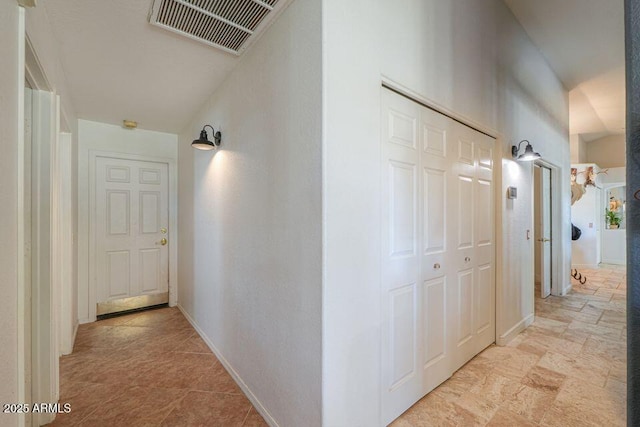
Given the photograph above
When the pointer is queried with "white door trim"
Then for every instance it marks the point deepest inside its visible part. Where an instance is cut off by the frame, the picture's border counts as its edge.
(68, 315)
(556, 220)
(173, 222)
(23, 392)
(416, 97)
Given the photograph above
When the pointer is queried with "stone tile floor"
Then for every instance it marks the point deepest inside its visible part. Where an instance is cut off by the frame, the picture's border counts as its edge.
(148, 369)
(567, 369)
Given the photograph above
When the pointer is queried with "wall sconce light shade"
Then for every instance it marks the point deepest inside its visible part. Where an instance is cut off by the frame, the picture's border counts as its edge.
(528, 154)
(203, 142)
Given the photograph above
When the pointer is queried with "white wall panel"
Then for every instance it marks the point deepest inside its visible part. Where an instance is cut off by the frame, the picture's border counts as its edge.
(434, 315)
(465, 212)
(402, 186)
(465, 307)
(118, 274)
(403, 334)
(435, 217)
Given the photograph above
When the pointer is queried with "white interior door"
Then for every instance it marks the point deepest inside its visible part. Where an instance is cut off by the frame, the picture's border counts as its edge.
(402, 250)
(472, 254)
(544, 241)
(438, 279)
(131, 220)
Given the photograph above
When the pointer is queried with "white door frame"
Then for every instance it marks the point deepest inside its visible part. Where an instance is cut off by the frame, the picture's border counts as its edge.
(37, 340)
(44, 295)
(68, 314)
(23, 236)
(173, 222)
(556, 220)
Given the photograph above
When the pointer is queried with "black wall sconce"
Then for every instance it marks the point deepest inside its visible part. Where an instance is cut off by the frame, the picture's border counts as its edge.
(528, 154)
(203, 142)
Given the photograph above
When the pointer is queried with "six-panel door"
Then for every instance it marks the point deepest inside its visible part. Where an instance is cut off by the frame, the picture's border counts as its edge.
(438, 279)
(130, 222)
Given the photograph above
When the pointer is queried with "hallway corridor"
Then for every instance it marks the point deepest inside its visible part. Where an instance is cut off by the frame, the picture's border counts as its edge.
(148, 369)
(568, 369)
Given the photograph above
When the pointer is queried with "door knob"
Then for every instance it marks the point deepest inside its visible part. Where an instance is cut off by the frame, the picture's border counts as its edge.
(436, 266)
(163, 241)
(467, 259)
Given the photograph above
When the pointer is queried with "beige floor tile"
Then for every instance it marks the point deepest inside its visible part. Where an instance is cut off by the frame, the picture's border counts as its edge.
(506, 418)
(611, 333)
(611, 350)
(193, 344)
(530, 403)
(135, 406)
(543, 379)
(572, 353)
(618, 371)
(145, 369)
(479, 406)
(540, 344)
(611, 316)
(581, 403)
(200, 408)
(550, 324)
(593, 369)
(495, 387)
(434, 411)
(254, 419)
(616, 386)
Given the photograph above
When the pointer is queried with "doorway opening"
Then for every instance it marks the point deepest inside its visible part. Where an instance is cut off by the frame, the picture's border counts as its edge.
(129, 232)
(543, 229)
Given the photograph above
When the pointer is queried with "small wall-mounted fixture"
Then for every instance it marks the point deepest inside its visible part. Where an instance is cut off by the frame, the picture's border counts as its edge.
(528, 154)
(28, 3)
(512, 193)
(203, 142)
(129, 124)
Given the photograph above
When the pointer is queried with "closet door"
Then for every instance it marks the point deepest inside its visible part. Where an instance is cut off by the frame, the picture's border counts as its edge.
(437, 317)
(437, 266)
(401, 247)
(472, 254)
(484, 253)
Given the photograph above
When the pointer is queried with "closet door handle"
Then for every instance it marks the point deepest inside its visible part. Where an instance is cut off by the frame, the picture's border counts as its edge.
(467, 259)
(436, 266)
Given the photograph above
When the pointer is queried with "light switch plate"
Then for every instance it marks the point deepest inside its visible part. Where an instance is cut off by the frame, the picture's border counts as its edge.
(512, 193)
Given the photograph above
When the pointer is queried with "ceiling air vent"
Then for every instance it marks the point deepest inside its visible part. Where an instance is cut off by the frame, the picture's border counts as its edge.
(230, 25)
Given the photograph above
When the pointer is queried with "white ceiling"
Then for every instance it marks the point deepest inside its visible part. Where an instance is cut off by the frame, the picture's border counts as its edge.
(583, 41)
(118, 66)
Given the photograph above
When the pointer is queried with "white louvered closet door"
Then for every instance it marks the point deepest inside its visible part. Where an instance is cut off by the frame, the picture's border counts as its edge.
(438, 292)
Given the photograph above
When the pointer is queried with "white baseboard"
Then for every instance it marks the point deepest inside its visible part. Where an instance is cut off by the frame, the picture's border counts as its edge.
(67, 351)
(589, 266)
(87, 320)
(505, 338)
(614, 261)
(252, 397)
(75, 333)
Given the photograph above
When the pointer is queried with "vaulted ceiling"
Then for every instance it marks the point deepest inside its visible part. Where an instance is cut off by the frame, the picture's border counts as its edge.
(583, 41)
(119, 66)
